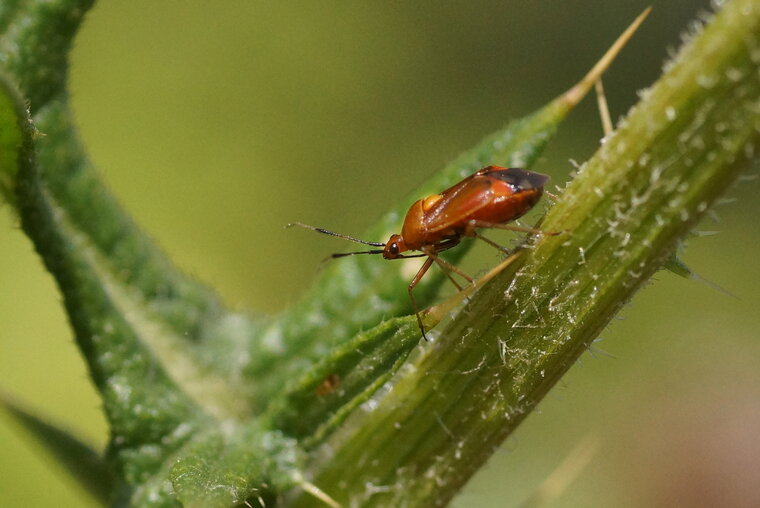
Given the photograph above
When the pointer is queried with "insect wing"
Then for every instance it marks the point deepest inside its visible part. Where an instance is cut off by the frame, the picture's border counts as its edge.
(461, 203)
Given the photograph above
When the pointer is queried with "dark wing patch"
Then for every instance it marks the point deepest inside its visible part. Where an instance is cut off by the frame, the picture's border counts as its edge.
(519, 179)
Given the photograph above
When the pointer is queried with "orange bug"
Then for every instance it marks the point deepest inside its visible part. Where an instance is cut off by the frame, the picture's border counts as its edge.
(489, 198)
(328, 385)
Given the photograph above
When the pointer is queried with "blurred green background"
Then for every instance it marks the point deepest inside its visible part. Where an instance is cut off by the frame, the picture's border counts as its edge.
(218, 123)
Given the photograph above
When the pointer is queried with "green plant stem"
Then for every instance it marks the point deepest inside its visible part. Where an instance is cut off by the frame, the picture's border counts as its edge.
(678, 150)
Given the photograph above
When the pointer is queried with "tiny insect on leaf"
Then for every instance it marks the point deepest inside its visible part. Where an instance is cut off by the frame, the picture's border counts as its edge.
(491, 197)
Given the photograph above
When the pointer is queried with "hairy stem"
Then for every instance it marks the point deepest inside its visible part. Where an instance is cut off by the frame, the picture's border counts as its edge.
(677, 151)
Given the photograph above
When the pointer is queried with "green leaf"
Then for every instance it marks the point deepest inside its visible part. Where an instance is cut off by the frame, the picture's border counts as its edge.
(220, 469)
(84, 464)
(321, 399)
(180, 320)
(144, 406)
(671, 158)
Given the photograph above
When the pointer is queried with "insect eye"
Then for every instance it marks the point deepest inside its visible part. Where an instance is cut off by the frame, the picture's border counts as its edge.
(394, 248)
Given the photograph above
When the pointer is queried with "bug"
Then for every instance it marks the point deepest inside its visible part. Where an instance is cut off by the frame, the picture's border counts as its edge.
(491, 197)
(328, 385)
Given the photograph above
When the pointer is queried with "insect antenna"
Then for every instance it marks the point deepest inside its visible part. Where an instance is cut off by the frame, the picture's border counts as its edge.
(344, 254)
(339, 235)
(373, 251)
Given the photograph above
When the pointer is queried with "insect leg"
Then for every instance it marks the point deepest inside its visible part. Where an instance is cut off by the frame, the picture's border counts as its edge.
(474, 224)
(492, 243)
(453, 281)
(410, 289)
(445, 265)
